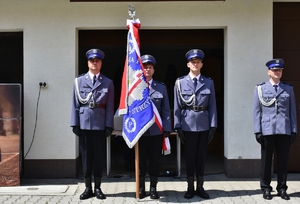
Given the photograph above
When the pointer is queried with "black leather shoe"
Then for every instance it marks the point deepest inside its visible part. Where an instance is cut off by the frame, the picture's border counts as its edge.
(153, 193)
(189, 194)
(88, 193)
(267, 195)
(283, 195)
(142, 193)
(99, 194)
(201, 193)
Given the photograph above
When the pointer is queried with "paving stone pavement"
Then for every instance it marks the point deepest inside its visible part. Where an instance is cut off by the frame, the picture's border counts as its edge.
(121, 190)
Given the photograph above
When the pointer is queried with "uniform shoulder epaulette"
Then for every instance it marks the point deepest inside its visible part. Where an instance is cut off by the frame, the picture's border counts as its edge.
(103, 75)
(160, 82)
(180, 78)
(80, 75)
(287, 83)
(261, 83)
(206, 77)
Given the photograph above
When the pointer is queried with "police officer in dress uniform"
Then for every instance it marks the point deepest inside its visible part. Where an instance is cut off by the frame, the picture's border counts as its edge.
(275, 126)
(195, 119)
(92, 120)
(150, 144)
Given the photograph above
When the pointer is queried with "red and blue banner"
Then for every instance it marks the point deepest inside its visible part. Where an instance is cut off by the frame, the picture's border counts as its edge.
(135, 103)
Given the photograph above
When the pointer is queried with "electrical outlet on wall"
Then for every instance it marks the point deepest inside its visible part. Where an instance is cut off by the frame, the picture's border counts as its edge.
(43, 84)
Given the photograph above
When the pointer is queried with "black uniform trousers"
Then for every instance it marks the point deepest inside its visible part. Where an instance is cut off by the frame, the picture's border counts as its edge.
(195, 148)
(150, 147)
(281, 143)
(92, 149)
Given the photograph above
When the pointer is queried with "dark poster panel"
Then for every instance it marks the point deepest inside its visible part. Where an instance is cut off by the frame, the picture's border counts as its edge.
(10, 128)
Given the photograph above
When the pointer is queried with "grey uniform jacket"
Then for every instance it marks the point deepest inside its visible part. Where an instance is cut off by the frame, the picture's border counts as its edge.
(184, 117)
(159, 96)
(103, 95)
(271, 121)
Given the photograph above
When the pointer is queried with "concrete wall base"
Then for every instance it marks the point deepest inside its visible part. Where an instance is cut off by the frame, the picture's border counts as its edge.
(46, 169)
(242, 168)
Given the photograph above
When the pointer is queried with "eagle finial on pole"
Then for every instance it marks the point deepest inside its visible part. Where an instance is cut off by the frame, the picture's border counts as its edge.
(131, 11)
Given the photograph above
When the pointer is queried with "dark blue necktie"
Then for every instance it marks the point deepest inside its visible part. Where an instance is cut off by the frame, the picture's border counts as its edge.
(94, 79)
(275, 87)
(195, 82)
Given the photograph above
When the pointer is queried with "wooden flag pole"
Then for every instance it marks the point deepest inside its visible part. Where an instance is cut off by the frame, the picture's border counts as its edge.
(137, 177)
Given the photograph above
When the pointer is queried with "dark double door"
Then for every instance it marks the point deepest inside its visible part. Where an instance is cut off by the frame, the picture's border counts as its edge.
(286, 41)
(169, 48)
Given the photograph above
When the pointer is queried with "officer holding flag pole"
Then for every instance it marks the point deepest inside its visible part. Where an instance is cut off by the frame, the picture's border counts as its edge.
(139, 113)
(150, 144)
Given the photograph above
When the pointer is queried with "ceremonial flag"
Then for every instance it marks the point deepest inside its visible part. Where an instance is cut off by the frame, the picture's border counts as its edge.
(135, 102)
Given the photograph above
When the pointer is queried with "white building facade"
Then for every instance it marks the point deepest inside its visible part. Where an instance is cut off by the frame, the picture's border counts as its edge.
(50, 54)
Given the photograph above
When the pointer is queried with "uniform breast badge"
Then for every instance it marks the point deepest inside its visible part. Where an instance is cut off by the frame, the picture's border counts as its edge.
(92, 104)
